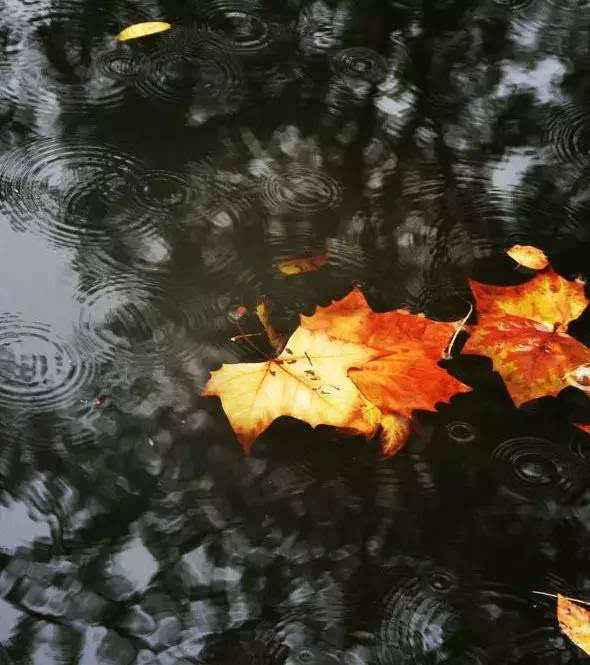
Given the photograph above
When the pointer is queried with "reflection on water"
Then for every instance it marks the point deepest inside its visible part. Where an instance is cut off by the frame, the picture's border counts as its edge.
(147, 190)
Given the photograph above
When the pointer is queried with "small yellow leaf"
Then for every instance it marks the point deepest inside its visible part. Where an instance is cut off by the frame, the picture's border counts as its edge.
(142, 30)
(297, 265)
(574, 621)
(529, 257)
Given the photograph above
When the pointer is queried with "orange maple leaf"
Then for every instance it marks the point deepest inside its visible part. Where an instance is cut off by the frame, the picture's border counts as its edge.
(523, 330)
(345, 366)
(574, 621)
(402, 375)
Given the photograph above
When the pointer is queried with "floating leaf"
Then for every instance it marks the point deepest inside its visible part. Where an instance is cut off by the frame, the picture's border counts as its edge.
(345, 366)
(143, 30)
(528, 256)
(547, 298)
(300, 264)
(307, 381)
(403, 375)
(523, 330)
(574, 621)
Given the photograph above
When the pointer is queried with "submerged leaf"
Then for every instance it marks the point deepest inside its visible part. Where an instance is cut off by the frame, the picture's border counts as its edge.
(574, 621)
(528, 256)
(142, 30)
(297, 265)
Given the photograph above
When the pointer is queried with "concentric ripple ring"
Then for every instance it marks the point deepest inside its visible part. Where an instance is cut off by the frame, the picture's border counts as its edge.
(38, 369)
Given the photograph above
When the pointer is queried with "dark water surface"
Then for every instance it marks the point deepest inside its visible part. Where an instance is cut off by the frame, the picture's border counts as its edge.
(147, 189)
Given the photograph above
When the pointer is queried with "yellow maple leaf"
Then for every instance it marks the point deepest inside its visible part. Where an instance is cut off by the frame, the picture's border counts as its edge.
(308, 381)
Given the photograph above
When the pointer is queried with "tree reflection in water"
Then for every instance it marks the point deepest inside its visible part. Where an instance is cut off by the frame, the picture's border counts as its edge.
(147, 189)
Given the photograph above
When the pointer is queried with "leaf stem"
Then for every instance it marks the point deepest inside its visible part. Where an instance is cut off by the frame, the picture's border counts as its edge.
(553, 595)
(448, 352)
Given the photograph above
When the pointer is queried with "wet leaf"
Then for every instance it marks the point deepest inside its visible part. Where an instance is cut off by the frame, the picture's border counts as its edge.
(308, 381)
(585, 427)
(345, 366)
(523, 330)
(574, 621)
(300, 264)
(142, 30)
(403, 374)
(275, 338)
(528, 256)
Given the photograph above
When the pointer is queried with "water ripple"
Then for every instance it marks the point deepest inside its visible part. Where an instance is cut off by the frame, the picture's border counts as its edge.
(301, 189)
(360, 63)
(238, 26)
(67, 190)
(533, 467)
(58, 67)
(568, 132)
(117, 64)
(126, 318)
(38, 369)
(187, 66)
(162, 191)
(420, 616)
